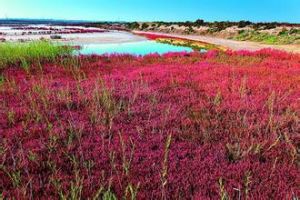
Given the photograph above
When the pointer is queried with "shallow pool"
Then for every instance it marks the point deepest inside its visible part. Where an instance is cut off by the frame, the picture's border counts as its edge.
(137, 48)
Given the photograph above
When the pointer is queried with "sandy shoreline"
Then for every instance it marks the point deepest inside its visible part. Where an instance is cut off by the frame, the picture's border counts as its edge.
(106, 37)
(112, 37)
(84, 38)
(231, 44)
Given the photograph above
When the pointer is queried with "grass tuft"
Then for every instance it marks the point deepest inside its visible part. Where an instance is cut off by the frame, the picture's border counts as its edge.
(32, 53)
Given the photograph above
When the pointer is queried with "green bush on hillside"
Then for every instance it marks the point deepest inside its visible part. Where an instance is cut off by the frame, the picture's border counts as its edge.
(133, 25)
(145, 26)
(283, 37)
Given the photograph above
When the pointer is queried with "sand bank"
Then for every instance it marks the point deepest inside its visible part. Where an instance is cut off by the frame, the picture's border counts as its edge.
(38, 33)
(231, 44)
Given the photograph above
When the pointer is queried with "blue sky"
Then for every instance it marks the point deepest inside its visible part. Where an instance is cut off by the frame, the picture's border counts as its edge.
(153, 10)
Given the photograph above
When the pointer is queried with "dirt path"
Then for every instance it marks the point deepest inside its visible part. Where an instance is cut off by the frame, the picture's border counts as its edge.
(231, 44)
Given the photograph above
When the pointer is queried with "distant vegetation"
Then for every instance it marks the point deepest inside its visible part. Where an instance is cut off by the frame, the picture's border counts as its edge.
(268, 33)
(283, 37)
(217, 26)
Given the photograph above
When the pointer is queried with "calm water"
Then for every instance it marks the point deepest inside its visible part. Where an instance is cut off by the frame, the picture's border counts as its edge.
(137, 48)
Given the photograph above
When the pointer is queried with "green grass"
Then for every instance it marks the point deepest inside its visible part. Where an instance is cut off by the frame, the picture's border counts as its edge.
(32, 53)
(284, 37)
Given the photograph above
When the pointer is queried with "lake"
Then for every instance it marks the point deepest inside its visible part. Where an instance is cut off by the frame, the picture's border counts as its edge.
(107, 42)
(136, 48)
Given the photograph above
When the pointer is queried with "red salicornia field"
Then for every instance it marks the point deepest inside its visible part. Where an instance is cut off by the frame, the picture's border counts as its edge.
(219, 125)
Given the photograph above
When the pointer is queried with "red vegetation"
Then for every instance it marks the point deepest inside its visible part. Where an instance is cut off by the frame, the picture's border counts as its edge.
(51, 30)
(191, 43)
(177, 126)
(152, 36)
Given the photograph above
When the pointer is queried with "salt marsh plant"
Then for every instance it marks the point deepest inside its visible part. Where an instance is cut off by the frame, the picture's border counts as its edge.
(195, 125)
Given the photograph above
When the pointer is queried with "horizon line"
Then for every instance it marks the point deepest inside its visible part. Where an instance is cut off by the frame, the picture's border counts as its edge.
(167, 21)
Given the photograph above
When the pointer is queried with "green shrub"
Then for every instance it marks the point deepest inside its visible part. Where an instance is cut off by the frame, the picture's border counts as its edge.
(133, 25)
(283, 32)
(242, 24)
(294, 31)
(283, 37)
(145, 26)
(189, 30)
(199, 22)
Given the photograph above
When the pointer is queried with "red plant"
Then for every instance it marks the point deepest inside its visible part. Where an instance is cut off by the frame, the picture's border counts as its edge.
(153, 36)
(51, 30)
(177, 126)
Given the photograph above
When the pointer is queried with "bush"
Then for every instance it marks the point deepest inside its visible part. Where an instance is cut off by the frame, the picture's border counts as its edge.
(294, 31)
(199, 22)
(265, 26)
(145, 26)
(219, 26)
(133, 25)
(189, 30)
(243, 24)
(270, 25)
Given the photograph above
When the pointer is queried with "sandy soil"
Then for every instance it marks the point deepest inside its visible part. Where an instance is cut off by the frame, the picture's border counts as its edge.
(112, 37)
(84, 38)
(231, 44)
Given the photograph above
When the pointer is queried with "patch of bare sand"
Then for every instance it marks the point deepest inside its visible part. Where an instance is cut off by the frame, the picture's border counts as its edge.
(109, 37)
(112, 37)
(232, 44)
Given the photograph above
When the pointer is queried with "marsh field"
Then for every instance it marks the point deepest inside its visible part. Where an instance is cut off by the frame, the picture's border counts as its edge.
(203, 122)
